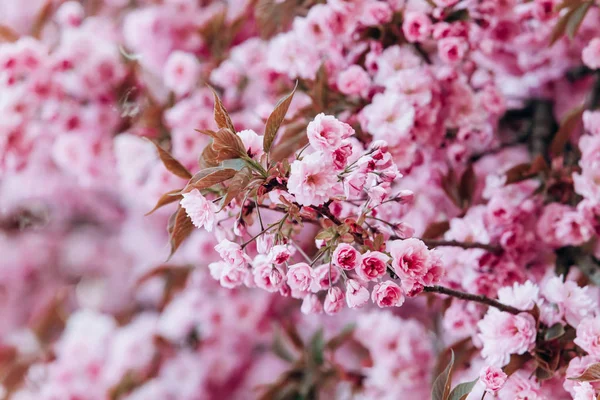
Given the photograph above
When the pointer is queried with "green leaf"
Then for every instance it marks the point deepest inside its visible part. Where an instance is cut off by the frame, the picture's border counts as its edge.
(554, 332)
(461, 391)
(280, 349)
(317, 346)
(591, 374)
(576, 19)
(276, 118)
(171, 163)
(441, 385)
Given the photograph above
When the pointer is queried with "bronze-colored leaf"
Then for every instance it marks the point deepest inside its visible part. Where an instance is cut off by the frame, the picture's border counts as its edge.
(237, 185)
(273, 16)
(182, 228)
(171, 163)
(7, 34)
(435, 230)
(42, 17)
(567, 126)
(516, 362)
(227, 145)
(518, 173)
(276, 118)
(167, 198)
(466, 187)
(320, 90)
(222, 117)
(209, 177)
(292, 140)
(591, 374)
(208, 158)
(441, 385)
(576, 19)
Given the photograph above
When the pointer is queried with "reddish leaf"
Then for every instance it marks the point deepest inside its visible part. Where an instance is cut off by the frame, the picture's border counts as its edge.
(320, 90)
(292, 140)
(273, 16)
(182, 227)
(237, 185)
(167, 198)
(518, 173)
(171, 163)
(567, 126)
(435, 230)
(591, 374)
(466, 188)
(576, 19)
(7, 34)
(276, 118)
(221, 115)
(208, 158)
(569, 23)
(441, 385)
(227, 145)
(209, 177)
(41, 19)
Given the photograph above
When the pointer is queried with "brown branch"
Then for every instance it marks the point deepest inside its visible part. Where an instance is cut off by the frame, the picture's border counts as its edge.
(325, 212)
(472, 297)
(464, 245)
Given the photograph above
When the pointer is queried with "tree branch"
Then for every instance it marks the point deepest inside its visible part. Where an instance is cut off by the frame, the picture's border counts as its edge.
(464, 245)
(472, 297)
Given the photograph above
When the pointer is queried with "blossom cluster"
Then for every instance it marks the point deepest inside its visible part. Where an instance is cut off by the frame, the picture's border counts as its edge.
(313, 162)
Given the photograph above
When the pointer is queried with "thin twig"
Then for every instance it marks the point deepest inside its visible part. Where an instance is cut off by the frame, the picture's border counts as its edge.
(472, 297)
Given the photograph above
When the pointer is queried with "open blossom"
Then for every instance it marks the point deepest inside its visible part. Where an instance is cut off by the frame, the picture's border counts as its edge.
(452, 49)
(591, 54)
(588, 336)
(326, 133)
(232, 253)
(346, 257)
(334, 301)
(356, 294)
(299, 277)
(324, 276)
(503, 334)
(493, 378)
(372, 266)
(311, 180)
(354, 81)
(410, 259)
(387, 294)
(311, 305)
(200, 210)
(268, 277)
(181, 72)
(522, 296)
(416, 26)
(584, 391)
(574, 303)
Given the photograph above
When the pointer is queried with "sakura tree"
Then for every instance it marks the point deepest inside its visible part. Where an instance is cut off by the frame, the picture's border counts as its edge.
(300, 199)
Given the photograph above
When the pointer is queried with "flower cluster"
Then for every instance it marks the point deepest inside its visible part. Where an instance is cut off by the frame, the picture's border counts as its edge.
(313, 161)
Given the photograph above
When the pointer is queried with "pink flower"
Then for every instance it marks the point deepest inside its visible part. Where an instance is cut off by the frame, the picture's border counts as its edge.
(356, 294)
(354, 81)
(375, 13)
(387, 294)
(591, 54)
(389, 117)
(181, 72)
(588, 336)
(503, 334)
(253, 143)
(574, 303)
(522, 296)
(334, 301)
(300, 277)
(373, 266)
(312, 180)
(200, 210)
(232, 276)
(452, 49)
(493, 378)
(311, 305)
(416, 26)
(346, 257)
(279, 254)
(232, 253)
(70, 13)
(584, 391)
(560, 225)
(591, 121)
(268, 277)
(326, 133)
(410, 258)
(322, 276)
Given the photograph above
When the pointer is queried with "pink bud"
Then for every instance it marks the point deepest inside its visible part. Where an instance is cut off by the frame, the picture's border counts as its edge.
(356, 294)
(334, 301)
